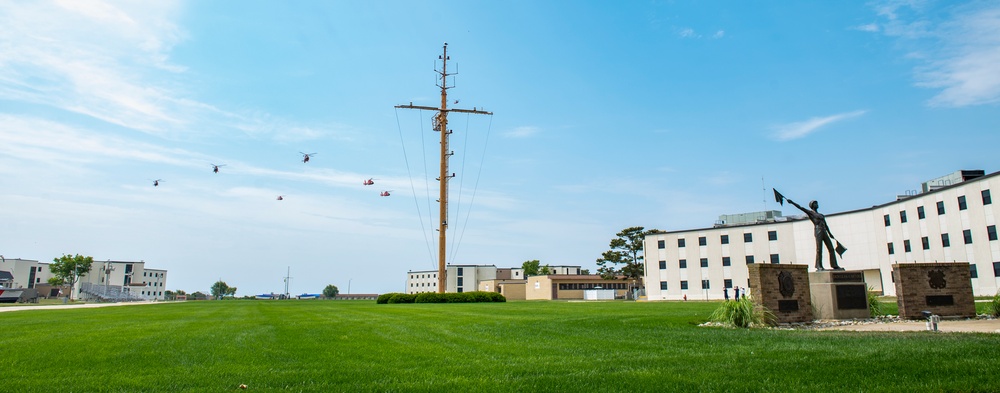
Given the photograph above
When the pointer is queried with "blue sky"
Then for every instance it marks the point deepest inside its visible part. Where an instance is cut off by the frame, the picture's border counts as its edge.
(607, 115)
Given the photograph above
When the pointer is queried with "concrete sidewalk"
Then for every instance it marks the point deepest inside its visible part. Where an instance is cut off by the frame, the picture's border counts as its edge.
(68, 306)
(958, 325)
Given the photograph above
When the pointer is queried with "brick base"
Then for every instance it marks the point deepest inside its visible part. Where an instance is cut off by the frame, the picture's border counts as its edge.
(782, 289)
(944, 289)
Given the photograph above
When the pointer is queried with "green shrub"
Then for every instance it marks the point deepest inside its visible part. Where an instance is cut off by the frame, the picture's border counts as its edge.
(874, 305)
(431, 297)
(402, 298)
(995, 305)
(743, 313)
(434, 297)
(384, 298)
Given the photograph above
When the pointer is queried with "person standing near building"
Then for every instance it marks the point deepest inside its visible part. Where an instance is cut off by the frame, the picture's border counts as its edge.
(736, 291)
(725, 292)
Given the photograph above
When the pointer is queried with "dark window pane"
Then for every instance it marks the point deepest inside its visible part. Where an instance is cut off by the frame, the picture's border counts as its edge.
(991, 232)
(749, 259)
(726, 261)
(972, 271)
(683, 263)
(680, 242)
(663, 285)
(996, 269)
(920, 213)
(772, 235)
(902, 216)
(940, 207)
(684, 285)
(986, 197)
(945, 241)
(704, 284)
(702, 241)
(886, 218)
(906, 246)
(774, 258)
(967, 234)
(704, 262)
(925, 243)
(961, 203)
(661, 244)
(663, 265)
(728, 283)
(725, 239)
(747, 237)
(891, 249)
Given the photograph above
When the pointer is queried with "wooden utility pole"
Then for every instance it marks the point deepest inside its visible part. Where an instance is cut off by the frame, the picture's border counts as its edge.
(441, 125)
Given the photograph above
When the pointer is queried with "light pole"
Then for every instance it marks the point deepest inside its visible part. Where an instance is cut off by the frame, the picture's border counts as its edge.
(349, 285)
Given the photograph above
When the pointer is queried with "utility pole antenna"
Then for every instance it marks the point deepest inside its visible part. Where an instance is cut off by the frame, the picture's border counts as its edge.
(288, 277)
(440, 124)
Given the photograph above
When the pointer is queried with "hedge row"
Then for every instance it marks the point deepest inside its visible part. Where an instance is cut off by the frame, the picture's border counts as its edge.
(433, 297)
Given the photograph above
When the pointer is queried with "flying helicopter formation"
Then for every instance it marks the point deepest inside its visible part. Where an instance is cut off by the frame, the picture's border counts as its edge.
(305, 159)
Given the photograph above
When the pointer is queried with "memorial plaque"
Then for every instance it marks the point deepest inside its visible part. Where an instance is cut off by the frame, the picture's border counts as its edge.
(788, 305)
(940, 300)
(852, 297)
(848, 277)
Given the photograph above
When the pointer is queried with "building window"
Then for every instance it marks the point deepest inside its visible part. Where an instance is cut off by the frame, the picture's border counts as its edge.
(906, 246)
(663, 285)
(891, 249)
(680, 242)
(991, 232)
(945, 241)
(728, 283)
(972, 271)
(902, 216)
(661, 244)
(747, 237)
(460, 281)
(774, 259)
(996, 269)
(961, 203)
(986, 197)
(925, 243)
(684, 285)
(459, 273)
(920, 213)
(749, 259)
(704, 284)
(683, 263)
(663, 265)
(968, 236)
(772, 235)
(459, 290)
(940, 207)
(886, 218)
(702, 241)
(726, 261)
(704, 262)
(725, 239)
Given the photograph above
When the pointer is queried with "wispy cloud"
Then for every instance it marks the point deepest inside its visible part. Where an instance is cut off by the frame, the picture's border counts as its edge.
(796, 130)
(719, 34)
(871, 28)
(522, 132)
(957, 49)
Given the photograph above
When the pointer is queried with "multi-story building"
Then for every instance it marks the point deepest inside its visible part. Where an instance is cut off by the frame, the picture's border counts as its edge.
(122, 278)
(953, 219)
(460, 278)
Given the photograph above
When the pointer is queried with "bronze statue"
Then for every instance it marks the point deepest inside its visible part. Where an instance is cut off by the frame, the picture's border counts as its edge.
(822, 232)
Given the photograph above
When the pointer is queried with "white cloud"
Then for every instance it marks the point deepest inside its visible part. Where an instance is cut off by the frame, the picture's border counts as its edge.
(800, 129)
(871, 28)
(522, 132)
(687, 32)
(719, 34)
(958, 49)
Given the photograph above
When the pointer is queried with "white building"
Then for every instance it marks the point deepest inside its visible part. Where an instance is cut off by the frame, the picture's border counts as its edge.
(130, 279)
(460, 278)
(947, 223)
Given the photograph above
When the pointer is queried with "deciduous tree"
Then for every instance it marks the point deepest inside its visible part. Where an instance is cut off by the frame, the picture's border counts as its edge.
(530, 267)
(330, 291)
(220, 289)
(69, 269)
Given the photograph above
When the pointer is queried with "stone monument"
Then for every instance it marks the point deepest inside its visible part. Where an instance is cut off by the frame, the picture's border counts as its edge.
(782, 289)
(839, 294)
(944, 289)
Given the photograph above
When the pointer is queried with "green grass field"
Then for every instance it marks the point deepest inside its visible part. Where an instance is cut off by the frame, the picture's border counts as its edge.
(342, 346)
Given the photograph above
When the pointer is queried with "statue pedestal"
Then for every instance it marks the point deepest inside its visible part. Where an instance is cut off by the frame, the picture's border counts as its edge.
(782, 289)
(839, 294)
(944, 289)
